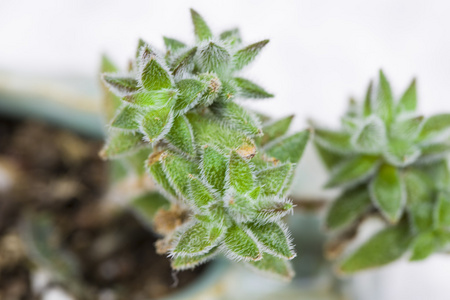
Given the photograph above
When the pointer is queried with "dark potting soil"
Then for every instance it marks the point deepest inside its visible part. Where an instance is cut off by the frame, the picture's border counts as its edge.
(56, 175)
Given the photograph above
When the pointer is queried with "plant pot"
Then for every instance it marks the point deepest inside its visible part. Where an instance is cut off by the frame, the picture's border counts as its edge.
(67, 105)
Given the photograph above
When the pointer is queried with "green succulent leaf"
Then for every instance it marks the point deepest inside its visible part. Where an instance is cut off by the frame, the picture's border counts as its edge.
(185, 262)
(190, 91)
(178, 170)
(248, 89)
(231, 37)
(274, 237)
(173, 44)
(353, 170)
(273, 180)
(419, 192)
(121, 85)
(274, 130)
(408, 102)
(155, 76)
(237, 117)
(126, 118)
(383, 104)
(367, 109)
(122, 143)
(240, 246)
(436, 127)
(181, 135)
(289, 148)
(184, 62)
(154, 100)
(348, 207)
(274, 266)
(241, 208)
(239, 174)
(407, 128)
(155, 168)
(272, 209)
(371, 138)
(200, 194)
(198, 239)
(214, 168)
(155, 124)
(442, 210)
(425, 244)
(333, 141)
(246, 55)
(329, 158)
(384, 247)
(401, 153)
(201, 29)
(213, 57)
(387, 192)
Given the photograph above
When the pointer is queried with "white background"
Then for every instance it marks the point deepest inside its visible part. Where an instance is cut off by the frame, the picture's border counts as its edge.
(321, 52)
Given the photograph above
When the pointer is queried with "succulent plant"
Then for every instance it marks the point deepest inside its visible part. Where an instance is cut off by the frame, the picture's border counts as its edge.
(391, 162)
(225, 167)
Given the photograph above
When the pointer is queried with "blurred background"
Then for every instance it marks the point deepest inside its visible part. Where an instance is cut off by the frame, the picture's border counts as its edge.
(320, 54)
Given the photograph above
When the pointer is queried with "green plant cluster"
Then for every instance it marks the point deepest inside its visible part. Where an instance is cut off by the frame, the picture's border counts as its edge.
(229, 167)
(389, 161)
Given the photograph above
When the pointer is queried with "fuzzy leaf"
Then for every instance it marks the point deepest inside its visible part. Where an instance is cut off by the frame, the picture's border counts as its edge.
(383, 248)
(408, 101)
(198, 239)
(274, 238)
(139, 49)
(213, 57)
(275, 130)
(201, 29)
(290, 148)
(181, 136)
(200, 194)
(157, 123)
(231, 37)
(419, 191)
(442, 210)
(371, 138)
(434, 152)
(173, 44)
(214, 168)
(184, 63)
(155, 168)
(383, 105)
(273, 180)
(407, 128)
(423, 246)
(228, 90)
(401, 153)
(121, 143)
(205, 133)
(435, 127)
(126, 118)
(246, 55)
(367, 109)
(348, 207)
(184, 262)
(190, 91)
(240, 245)
(121, 85)
(387, 192)
(241, 208)
(330, 159)
(275, 266)
(272, 209)
(154, 99)
(352, 171)
(155, 76)
(239, 174)
(248, 89)
(177, 170)
(237, 117)
(333, 141)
